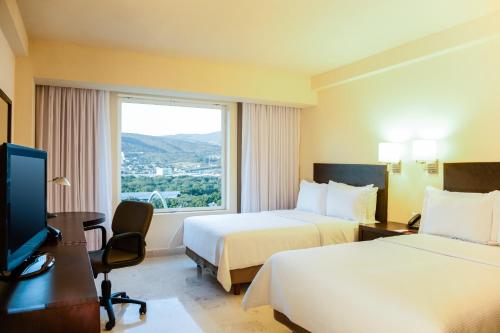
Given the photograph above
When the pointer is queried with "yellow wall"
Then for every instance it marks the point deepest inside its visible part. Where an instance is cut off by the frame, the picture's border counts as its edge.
(453, 97)
(24, 108)
(123, 70)
(7, 66)
(438, 44)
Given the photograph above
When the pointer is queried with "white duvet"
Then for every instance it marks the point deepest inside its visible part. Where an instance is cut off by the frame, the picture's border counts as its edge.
(234, 241)
(417, 283)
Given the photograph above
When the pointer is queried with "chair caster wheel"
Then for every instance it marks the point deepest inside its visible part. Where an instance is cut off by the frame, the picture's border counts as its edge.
(109, 325)
(142, 310)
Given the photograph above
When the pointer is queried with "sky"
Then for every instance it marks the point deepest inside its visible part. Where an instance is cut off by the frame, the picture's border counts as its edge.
(160, 120)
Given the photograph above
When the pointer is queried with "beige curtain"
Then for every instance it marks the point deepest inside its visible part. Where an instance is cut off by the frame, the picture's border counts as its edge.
(270, 157)
(72, 125)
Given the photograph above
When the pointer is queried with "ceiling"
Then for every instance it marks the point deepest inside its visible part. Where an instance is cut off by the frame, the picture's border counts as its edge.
(307, 36)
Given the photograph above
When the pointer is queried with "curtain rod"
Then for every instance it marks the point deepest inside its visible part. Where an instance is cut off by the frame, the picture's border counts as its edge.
(172, 100)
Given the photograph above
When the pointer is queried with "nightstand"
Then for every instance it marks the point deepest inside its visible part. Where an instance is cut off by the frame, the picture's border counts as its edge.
(377, 230)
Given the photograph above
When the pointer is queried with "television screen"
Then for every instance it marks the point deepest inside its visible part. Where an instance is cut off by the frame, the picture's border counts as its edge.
(23, 204)
(27, 199)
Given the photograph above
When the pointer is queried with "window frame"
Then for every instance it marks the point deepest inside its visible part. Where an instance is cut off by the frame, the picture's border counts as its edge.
(223, 107)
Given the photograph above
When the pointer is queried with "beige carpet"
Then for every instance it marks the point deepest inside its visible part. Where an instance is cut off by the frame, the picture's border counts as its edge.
(178, 301)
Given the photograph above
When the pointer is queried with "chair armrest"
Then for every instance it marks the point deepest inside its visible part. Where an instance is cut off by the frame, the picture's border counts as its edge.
(141, 245)
(103, 233)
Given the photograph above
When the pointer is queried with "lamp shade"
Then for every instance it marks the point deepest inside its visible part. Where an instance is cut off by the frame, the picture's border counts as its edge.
(389, 152)
(61, 181)
(424, 150)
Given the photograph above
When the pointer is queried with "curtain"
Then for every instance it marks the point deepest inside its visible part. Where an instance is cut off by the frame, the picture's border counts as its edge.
(270, 157)
(73, 126)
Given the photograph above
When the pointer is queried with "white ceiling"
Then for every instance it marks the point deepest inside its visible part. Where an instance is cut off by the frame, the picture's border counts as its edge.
(309, 36)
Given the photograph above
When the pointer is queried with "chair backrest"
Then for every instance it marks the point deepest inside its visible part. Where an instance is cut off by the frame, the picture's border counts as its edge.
(132, 216)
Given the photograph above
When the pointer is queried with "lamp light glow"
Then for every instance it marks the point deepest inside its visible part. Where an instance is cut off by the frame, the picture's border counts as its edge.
(390, 153)
(425, 152)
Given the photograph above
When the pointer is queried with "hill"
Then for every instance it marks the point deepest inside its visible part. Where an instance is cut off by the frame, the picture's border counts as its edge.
(171, 148)
(213, 138)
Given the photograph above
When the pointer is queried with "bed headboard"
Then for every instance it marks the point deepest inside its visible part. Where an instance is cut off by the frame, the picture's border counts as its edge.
(479, 177)
(358, 175)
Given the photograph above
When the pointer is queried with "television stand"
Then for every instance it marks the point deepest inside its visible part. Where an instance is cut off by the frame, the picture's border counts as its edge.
(36, 264)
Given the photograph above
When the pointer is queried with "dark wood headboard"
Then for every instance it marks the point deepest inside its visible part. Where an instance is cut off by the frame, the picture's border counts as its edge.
(481, 177)
(358, 175)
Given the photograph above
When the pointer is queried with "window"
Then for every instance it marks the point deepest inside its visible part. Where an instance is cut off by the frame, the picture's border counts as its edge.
(172, 155)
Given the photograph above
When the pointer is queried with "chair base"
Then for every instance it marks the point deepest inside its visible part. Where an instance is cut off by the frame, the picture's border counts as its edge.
(107, 300)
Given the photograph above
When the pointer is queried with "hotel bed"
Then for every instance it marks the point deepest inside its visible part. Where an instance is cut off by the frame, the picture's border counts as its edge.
(233, 247)
(412, 283)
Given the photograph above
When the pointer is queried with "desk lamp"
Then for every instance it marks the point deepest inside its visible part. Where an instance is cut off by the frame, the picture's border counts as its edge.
(63, 181)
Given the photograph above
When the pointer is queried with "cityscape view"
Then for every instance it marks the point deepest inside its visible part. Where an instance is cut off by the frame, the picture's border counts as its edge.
(180, 170)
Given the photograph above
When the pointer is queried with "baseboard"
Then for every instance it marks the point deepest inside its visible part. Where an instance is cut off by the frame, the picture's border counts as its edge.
(165, 252)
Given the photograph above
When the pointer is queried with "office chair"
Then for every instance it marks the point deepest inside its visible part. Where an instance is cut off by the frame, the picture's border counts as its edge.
(126, 248)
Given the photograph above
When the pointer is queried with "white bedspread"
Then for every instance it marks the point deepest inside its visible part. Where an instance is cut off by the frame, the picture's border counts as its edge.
(417, 283)
(235, 241)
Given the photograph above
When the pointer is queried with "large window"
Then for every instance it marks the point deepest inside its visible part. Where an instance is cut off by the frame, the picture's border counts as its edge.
(172, 155)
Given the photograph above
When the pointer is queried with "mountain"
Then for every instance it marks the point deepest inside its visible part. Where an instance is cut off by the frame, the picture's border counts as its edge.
(171, 148)
(213, 138)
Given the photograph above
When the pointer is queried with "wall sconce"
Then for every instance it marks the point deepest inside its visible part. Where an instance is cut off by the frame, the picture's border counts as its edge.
(390, 153)
(425, 152)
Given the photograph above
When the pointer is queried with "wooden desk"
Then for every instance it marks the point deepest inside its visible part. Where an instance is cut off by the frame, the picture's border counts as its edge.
(73, 224)
(63, 299)
(86, 219)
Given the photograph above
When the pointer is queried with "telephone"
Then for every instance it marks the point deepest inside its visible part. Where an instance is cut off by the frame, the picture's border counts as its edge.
(414, 222)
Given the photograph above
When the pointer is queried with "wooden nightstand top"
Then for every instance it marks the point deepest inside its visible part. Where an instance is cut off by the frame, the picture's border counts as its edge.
(375, 230)
(389, 226)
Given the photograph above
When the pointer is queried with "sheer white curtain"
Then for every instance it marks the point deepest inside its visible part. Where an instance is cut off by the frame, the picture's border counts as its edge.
(73, 126)
(270, 157)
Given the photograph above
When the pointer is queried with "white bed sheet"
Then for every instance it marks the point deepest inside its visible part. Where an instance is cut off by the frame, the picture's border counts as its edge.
(234, 241)
(417, 283)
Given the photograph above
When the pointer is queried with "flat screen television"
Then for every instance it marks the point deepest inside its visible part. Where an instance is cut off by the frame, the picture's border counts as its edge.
(23, 204)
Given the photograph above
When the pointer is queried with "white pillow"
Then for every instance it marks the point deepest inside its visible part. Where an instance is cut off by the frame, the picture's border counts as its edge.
(371, 205)
(466, 216)
(495, 225)
(347, 202)
(312, 197)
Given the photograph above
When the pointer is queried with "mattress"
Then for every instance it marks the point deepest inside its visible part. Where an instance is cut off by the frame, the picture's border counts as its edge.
(414, 283)
(235, 241)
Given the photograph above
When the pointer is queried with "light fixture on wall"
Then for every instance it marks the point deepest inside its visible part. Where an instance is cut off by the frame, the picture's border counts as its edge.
(425, 152)
(390, 153)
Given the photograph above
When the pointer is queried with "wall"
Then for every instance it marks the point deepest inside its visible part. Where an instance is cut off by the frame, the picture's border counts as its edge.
(71, 64)
(7, 66)
(13, 43)
(24, 110)
(453, 97)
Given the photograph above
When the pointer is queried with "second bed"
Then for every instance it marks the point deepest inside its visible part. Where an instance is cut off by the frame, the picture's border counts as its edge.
(233, 247)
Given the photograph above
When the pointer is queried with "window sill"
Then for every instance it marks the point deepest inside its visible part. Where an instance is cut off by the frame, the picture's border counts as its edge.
(190, 211)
